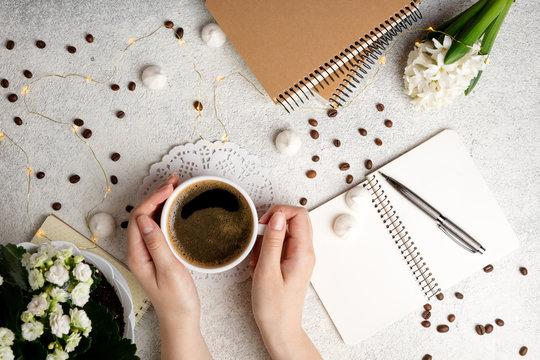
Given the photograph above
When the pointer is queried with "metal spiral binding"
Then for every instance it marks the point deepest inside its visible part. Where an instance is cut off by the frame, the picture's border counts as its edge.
(356, 60)
(402, 239)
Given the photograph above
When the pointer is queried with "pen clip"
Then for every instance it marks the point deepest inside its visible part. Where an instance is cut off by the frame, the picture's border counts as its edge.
(456, 240)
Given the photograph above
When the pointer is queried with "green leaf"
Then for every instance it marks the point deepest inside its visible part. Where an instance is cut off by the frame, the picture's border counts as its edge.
(493, 30)
(110, 348)
(11, 268)
(29, 350)
(102, 320)
(473, 83)
(454, 25)
(12, 304)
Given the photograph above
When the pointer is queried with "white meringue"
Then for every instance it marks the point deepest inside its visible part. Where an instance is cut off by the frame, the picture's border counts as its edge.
(356, 198)
(288, 142)
(153, 77)
(213, 36)
(345, 226)
(102, 224)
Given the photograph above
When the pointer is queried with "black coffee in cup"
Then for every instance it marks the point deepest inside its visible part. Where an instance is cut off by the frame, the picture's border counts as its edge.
(210, 224)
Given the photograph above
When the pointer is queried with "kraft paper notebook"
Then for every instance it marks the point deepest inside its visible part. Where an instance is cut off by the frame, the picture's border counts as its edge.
(58, 230)
(300, 48)
(400, 259)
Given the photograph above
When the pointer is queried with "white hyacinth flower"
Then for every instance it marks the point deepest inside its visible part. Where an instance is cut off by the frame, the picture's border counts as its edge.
(80, 320)
(1, 280)
(38, 305)
(58, 295)
(32, 330)
(6, 353)
(6, 337)
(35, 279)
(430, 82)
(57, 274)
(82, 272)
(64, 253)
(58, 355)
(80, 294)
(59, 324)
(72, 341)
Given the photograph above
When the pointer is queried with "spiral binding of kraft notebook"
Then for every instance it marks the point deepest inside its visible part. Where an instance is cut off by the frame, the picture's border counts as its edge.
(411, 254)
(346, 69)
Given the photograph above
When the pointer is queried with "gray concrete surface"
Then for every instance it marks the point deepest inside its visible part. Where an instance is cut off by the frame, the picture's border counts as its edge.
(499, 123)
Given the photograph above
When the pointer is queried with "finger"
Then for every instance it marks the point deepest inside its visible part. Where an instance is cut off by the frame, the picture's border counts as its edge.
(174, 179)
(254, 258)
(272, 243)
(156, 244)
(299, 224)
(138, 258)
(152, 201)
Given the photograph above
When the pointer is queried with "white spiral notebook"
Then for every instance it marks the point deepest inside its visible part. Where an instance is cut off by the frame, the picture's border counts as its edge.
(400, 259)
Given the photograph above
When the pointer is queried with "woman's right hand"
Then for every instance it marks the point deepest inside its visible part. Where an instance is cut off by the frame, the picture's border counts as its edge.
(281, 266)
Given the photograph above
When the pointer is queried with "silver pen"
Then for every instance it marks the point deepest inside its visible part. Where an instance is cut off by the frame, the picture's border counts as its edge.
(453, 231)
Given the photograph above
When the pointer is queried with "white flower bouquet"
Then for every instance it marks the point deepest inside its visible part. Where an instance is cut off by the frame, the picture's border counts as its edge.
(451, 59)
(50, 309)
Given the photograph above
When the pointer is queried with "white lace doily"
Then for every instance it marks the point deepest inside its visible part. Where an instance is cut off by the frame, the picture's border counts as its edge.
(228, 161)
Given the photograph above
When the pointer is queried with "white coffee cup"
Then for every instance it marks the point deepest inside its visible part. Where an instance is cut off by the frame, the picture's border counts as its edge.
(257, 229)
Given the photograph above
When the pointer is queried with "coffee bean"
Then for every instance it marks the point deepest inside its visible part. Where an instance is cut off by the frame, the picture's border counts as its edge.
(427, 307)
(523, 351)
(179, 33)
(332, 113)
(78, 122)
(10, 44)
(362, 132)
(87, 133)
(451, 317)
(41, 44)
(198, 106)
(488, 268)
(17, 120)
(523, 271)
(337, 143)
(368, 164)
(315, 158)
(380, 107)
(71, 49)
(349, 179)
(378, 142)
(120, 114)
(56, 206)
(313, 122)
(27, 74)
(427, 357)
(480, 330)
(426, 314)
(425, 323)
(4, 83)
(115, 87)
(311, 174)
(440, 296)
(499, 322)
(114, 180)
(489, 328)
(124, 224)
(89, 38)
(344, 166)
(314, 134)
(74, 179)
(443, 328)
(129, 208)
(115, 156)
(459, 295)
(12, 97)
(40, 175)
(131, 86)
(388, 123)
(169, 24)
(303, 201)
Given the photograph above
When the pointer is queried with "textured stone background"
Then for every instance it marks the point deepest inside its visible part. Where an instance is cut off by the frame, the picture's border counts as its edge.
(499, 123)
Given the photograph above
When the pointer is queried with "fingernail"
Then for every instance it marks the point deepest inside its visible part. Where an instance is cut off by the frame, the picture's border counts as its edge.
(170, 177)
(162, 187)
(277, 222)
(145, 224)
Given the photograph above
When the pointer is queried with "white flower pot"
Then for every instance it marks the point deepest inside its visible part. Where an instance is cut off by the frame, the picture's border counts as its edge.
(113, 276)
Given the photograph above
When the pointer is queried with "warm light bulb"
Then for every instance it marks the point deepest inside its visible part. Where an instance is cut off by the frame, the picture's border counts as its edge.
(382, 60)
(24, 90)
(181, 41)
(88, 78)
(94, 239)
(108, 189)
(219, 78)
(487, 62)
(40, 233)
(224, 138)
(1, 135)
(131, 41)
(29, 170)
(417, 44)
(74, 128)
(430, 28)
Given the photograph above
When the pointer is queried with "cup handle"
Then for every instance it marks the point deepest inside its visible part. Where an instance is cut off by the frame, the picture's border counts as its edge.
(260, 229)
